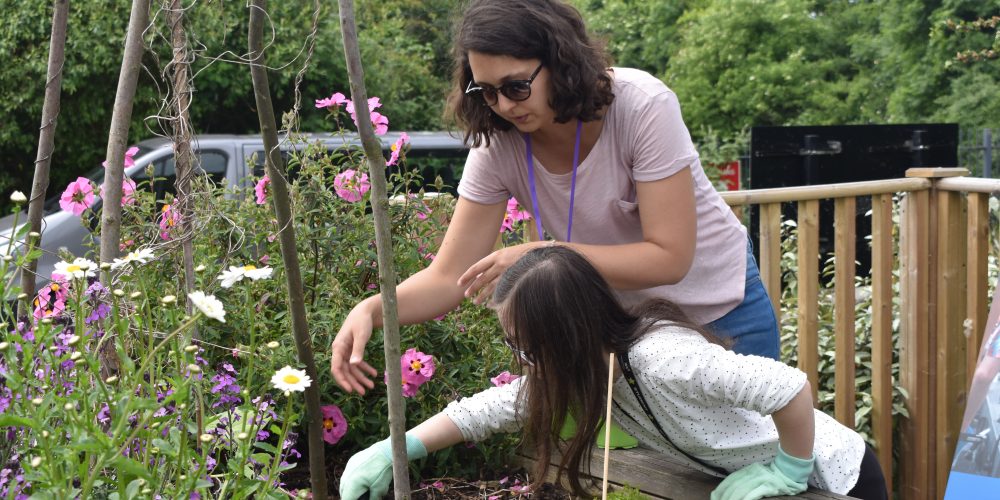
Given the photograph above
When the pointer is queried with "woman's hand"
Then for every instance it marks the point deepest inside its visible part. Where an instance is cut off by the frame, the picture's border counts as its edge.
(480, 280)
(347, 364)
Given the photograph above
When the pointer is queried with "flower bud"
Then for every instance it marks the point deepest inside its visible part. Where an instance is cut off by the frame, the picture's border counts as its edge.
(119, 292)
(206, 438)
(36, 461)
(22, 296)
(75, 356)
(182, 477)
(200, 268)
(53, 348)
(47, 321)
(105, 266)
(4, 346)
(135, 295)
(45, 434)
(168, 299)
(273, 344)
(241, 436)
(69, 407)
(37, 401)
(191, 348)
(8, 258)
(73, 340)
(112, 379)
(18, 197)
(35, 234)
(193, 368)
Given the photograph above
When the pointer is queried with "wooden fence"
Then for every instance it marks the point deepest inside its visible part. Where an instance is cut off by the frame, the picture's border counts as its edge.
(942, 305)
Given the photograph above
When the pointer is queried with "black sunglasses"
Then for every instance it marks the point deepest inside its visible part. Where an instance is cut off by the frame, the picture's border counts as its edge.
(515, 90)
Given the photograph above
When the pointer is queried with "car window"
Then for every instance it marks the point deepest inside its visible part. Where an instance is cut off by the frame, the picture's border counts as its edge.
(213, 163)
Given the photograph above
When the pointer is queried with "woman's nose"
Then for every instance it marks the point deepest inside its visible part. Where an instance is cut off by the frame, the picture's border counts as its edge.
(504, 103)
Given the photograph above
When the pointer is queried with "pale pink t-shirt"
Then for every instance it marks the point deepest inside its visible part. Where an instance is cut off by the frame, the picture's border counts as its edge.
(643, 139)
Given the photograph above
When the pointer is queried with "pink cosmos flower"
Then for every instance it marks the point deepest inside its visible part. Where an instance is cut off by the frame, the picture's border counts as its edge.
(351, 187)
(373, 104)
(169, 217)
(334, 423)
(261, 188)
(128, 192)
(129, 157)
(380, 123)
(417, 367)
(50, 302)
(333, 101)
(513, 214)
(504, 378)
(397, 148)
(78, 196)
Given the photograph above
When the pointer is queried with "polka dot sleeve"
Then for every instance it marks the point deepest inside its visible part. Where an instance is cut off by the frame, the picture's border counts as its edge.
(696, 370)
(486, 413)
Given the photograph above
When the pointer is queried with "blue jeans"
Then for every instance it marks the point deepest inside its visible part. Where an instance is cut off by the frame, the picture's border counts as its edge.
(751, 324)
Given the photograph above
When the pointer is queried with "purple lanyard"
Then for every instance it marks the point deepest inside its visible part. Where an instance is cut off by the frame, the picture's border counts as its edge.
(572, 189)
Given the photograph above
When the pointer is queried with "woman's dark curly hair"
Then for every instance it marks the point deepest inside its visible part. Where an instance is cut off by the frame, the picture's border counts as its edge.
(549, 30)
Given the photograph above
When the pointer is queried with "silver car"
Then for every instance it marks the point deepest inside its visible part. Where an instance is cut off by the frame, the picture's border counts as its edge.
(227, 160)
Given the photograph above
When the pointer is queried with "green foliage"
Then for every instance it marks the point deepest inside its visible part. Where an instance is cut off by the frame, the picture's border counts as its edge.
(627, 493)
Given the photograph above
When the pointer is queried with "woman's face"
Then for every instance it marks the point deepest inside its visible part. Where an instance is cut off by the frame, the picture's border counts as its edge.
(528, 115)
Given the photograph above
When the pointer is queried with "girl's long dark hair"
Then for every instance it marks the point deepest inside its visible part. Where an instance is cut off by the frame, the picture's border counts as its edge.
(557, 308)
(551, 31)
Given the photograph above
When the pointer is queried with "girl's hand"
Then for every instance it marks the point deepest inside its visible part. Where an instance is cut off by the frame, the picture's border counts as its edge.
(480, 280)
(786, 475)
(347, 363)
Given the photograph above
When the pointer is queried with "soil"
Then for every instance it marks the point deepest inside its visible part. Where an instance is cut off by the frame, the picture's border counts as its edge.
(503, 488)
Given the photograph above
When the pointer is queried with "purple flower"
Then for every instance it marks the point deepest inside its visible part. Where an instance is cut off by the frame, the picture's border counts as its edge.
(104, 415)
(226, 387)
(100, 312)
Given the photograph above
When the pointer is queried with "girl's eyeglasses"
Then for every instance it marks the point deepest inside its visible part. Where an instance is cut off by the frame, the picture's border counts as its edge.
(520, 354)
(515, 90)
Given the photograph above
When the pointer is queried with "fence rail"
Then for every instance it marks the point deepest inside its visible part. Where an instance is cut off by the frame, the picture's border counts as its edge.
(943, 248)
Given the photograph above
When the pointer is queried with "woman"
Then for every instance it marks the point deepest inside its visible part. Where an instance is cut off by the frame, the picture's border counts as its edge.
(681, 393)
(610, 171)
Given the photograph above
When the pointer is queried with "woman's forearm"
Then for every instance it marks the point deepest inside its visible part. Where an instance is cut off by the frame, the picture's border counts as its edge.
(796, 424)
(419, 298)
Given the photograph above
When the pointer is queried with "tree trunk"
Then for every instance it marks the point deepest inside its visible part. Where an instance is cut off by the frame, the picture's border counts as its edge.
(47, 135)
(111, 215)
(383, 244)
(181, 136)
(275, 167)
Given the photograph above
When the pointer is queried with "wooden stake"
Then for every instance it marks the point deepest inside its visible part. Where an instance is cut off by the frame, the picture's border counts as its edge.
(607, 425)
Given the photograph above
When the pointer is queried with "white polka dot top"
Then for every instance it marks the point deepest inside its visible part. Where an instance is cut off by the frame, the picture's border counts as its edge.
(713, 403)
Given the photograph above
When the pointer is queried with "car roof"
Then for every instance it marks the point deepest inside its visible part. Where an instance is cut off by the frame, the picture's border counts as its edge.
(420, 140)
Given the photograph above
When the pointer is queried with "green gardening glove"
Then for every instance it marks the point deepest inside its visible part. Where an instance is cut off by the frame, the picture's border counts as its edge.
(786, 475)
(619, 438)
(371, 469)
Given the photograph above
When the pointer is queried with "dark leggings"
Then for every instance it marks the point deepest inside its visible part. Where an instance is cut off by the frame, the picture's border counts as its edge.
(871, 482)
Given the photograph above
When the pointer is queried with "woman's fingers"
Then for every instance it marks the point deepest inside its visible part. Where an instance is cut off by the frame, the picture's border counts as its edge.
(347, 364)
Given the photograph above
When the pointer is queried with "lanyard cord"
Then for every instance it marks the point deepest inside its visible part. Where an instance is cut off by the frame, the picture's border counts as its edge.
(572, 190)
(626, 367)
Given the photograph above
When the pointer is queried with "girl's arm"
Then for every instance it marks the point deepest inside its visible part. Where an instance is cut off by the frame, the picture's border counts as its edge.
(796, 424)
(669, 228)
(437, 433)
(425, 295)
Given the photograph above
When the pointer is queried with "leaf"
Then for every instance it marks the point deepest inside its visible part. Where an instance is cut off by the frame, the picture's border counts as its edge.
(268, 447)
(131, 467)
(15, 421)
(132, 491)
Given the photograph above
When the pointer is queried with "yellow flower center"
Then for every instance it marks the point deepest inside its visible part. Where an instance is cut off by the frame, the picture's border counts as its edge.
(73, 268)
(249, 267)
(393, 147)
(291, 379)
(416, 365)
(55, 287)
(165, 208)
(328, 423)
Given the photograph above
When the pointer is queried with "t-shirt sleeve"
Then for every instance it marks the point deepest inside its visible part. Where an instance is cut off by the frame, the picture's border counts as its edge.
(486, 413)
(481, 180)
(697, 370)
(662, 145)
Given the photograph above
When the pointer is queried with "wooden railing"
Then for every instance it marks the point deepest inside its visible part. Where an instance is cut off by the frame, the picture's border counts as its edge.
(943, 247)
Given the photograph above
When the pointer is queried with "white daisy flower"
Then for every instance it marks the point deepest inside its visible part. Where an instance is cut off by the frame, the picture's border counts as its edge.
(80, 268)
(18, 197)
(208, 305)
(236, 274)
(139, 257)
(290, 379)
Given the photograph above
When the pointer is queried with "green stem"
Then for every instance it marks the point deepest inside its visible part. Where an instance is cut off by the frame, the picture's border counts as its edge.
(281, 444)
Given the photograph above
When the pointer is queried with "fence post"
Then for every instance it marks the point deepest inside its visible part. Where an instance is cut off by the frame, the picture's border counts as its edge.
(932, 269)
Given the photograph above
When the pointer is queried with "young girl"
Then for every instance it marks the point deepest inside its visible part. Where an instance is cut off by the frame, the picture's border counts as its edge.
(682, 394)
(604, 162)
